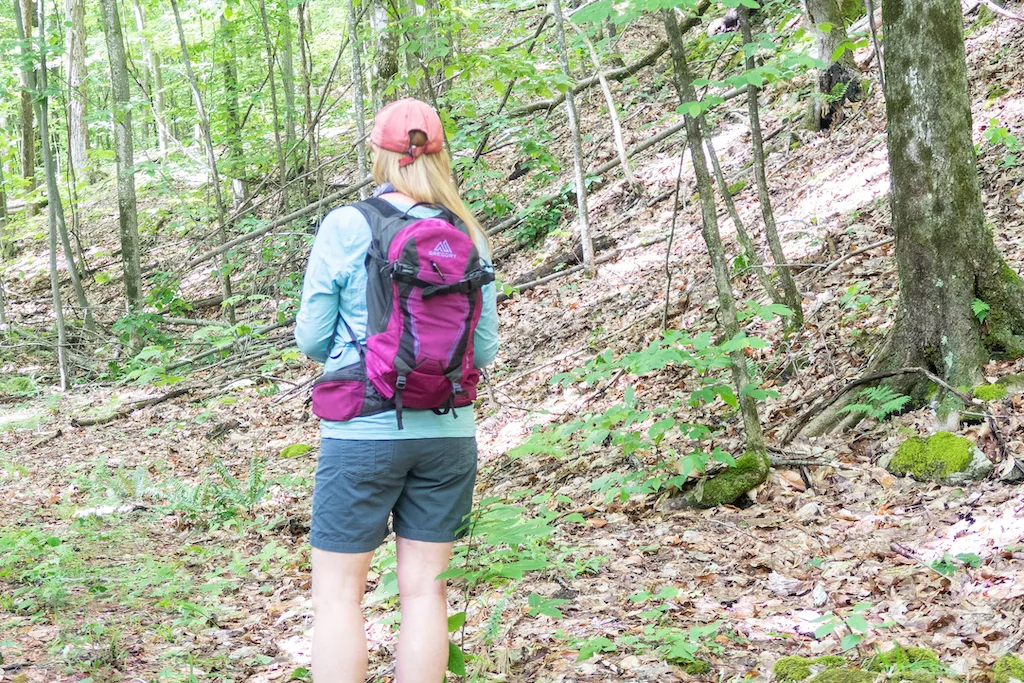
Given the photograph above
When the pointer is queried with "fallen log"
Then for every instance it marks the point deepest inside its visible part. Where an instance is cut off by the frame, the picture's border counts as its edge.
(574, 255)
(130, 408)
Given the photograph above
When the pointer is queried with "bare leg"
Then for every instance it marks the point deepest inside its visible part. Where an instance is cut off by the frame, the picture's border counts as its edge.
(423, 638)
(339, 635)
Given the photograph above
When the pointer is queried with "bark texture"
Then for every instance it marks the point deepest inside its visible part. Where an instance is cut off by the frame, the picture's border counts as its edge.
(53, 205)
(683, 80)
(78, 125)
(838, 71)
(944, 250)
(127, 211)
(235, 157)
(577, 144)
(25, 11)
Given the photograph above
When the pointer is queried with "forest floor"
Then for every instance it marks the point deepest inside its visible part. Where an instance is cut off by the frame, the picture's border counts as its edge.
(172, 545)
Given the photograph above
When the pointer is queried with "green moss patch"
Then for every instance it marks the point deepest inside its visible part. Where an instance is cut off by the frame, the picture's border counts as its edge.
(795, 669)
(901, 657)
(1007, 668)
(697, 667)
(750, 469)
(845, 676)
(913, 677)
(991, 392)
(934, 459)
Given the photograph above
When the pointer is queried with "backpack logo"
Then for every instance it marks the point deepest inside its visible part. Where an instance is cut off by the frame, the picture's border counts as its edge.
(443, 250)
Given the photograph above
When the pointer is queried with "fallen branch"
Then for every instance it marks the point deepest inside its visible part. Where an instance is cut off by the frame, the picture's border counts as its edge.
(619, 74)
(131, 408)
(650, 58)
(1001, 11)
(575, 269)
(835, 264)
(283, 220)
(229, 345)
(817, 408)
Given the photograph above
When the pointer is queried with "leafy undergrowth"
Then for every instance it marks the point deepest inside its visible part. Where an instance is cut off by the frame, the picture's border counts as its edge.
(172, 545)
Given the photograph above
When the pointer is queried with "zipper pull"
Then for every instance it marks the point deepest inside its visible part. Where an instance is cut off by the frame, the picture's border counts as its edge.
(438, 269)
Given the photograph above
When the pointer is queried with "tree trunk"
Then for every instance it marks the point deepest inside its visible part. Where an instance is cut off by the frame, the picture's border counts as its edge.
(288, 77)
(78, 125)
(944, 251)
(156, 79)
(385, 54)
(312, 143)
(683, 79)
(236, 158)
(211, 155)
(53, 193)
(749, 249)
(841, 71)
(577, 144)
(790, 293)
(28, 129)
(127, 211)
(281, 169)
(358, 98)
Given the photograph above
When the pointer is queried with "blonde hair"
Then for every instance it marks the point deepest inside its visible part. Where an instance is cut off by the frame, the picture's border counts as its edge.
(428, 179)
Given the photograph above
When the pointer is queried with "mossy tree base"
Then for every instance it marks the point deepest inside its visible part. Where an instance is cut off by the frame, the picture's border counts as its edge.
(750, 470)
(945, 252)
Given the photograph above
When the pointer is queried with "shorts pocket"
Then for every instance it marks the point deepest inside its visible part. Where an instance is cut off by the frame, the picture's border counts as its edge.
(460, 457)
(366, 461)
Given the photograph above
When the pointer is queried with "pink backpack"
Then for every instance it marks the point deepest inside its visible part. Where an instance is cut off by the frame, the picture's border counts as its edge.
(423, 302)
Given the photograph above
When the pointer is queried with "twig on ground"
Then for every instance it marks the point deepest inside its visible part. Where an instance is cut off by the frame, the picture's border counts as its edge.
(131, 408)
(835, 264)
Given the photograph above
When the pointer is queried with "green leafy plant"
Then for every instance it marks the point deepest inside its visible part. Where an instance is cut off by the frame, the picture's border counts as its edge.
(854, 620)
(1000, 138)
(854, 298)
(981, 309)
(878, 402)
(950, 564)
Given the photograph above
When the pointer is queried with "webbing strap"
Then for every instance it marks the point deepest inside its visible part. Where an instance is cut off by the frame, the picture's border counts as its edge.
(355, 340)
(381, 206)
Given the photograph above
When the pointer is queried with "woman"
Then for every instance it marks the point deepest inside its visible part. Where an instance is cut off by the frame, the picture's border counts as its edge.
(370, 467)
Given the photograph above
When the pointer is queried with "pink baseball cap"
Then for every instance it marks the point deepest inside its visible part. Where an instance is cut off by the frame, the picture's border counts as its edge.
(394, 123)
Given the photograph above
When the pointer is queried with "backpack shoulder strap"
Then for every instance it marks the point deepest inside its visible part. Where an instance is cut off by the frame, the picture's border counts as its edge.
(376, 205)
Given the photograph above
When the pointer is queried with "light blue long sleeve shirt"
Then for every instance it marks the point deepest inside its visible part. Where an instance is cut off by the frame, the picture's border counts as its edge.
(334, 288)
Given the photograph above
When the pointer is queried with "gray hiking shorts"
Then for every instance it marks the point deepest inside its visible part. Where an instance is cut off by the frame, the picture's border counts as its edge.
(427, 484)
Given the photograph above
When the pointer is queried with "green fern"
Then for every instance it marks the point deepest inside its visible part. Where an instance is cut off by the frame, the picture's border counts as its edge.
(879, 402)
(981, 310)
